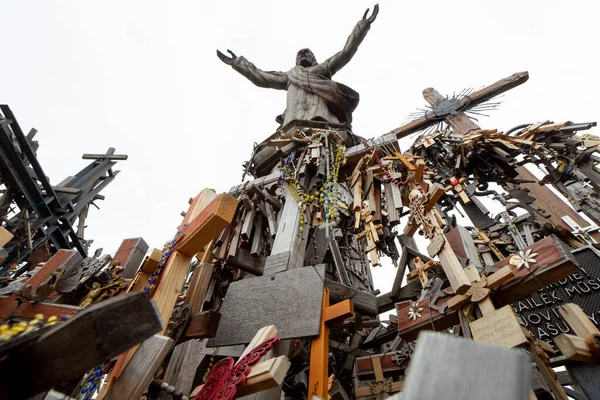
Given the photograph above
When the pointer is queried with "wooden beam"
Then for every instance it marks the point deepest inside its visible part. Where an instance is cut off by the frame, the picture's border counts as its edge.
(182, 367)
(67, 350)
(140, 371)
(207, 225)
(547, 200)
(130, 255)
(203, 325)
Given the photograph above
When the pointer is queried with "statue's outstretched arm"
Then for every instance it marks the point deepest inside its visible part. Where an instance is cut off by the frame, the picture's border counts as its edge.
(266, 79)
(340, 59)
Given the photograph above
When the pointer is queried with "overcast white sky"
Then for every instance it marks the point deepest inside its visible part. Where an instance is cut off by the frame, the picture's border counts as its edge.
(142, 76)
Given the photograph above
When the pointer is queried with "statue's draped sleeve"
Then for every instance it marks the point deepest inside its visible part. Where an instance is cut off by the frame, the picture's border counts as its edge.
(341, 58)
(266, 79)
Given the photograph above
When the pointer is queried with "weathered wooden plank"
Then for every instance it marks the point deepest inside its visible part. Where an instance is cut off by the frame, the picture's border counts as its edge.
(196, 295)
(486, 371)
(547, 200)
(554, 261)
(67, 350)
(244, 261)
(253, 303)
(364, 302)
(65, 259)
(203, 325)
(182, 367)
(140, 371)
(28, 309)
(130, 255)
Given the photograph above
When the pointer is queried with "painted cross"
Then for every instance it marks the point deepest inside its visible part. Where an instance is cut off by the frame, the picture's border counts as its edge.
(319, 349)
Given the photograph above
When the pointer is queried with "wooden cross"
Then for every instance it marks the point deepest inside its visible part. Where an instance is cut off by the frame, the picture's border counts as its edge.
(319, 349)
(382, 387)
(207, 216)
(584, 346)
(15, 306)
(422, 198)
(421, 270)
(370, 233)
(480, 290)
(262, 376)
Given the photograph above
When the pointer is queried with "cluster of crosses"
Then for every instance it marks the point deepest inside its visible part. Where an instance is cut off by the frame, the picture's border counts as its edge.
(266, 291)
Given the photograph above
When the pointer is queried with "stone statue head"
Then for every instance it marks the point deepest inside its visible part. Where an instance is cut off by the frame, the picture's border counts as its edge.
(306, 58)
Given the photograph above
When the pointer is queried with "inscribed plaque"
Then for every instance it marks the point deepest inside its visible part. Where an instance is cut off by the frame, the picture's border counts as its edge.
(500, 327)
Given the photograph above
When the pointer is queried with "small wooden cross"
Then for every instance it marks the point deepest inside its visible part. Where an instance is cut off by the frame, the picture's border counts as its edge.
(370, 233)
(319, 349)
(584, 346)
(480, 289)
(421, 270)
(382, 387)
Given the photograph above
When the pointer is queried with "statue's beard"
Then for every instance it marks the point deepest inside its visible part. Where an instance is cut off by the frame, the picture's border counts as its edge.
(305, 62)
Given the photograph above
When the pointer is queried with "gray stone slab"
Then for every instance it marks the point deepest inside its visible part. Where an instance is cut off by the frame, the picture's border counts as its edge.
(290, 300)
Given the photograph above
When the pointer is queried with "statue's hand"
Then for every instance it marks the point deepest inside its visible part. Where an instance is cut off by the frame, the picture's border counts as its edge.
(373, 15)
(225, 59)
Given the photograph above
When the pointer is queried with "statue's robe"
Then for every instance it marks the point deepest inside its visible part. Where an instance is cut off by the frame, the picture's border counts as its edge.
(311, 94)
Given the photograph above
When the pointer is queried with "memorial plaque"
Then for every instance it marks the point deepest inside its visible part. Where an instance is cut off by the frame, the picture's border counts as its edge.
(540, 311)
(500, 327)
(290, 300)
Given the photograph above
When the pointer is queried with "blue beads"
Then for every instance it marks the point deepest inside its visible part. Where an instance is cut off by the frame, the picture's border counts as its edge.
(146, 289)
(151, 281)
(185, 225)
(98, 374)
(167, 253)
(84, 390)
(155, 273)
(91, 379)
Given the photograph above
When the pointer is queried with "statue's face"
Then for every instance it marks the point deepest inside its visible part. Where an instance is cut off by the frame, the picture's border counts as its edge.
(306, 58)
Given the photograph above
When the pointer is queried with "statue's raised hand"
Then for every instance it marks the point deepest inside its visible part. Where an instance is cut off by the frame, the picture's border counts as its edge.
(225, 59)
(373, 15)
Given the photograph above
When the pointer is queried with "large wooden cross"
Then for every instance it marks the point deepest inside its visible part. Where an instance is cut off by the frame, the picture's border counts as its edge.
(319, 348)
(207, 216)
(452, 111)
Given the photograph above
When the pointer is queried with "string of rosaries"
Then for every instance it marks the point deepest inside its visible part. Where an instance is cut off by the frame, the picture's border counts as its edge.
(324, 194)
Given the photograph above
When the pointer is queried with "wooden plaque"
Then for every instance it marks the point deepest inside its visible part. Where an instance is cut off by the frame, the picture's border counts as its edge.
(500, 327)
(429, 319)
